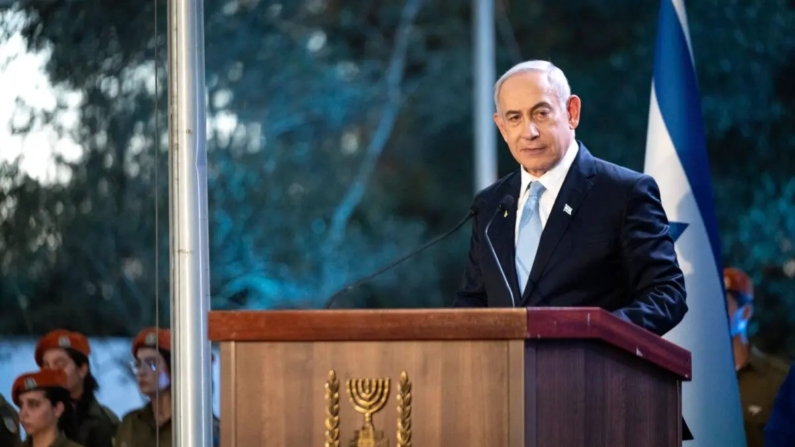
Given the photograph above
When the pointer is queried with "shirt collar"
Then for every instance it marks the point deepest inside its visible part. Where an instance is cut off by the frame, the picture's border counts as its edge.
(552, 179)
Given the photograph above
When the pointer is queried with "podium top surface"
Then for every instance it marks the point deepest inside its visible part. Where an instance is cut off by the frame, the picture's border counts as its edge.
(450, 324)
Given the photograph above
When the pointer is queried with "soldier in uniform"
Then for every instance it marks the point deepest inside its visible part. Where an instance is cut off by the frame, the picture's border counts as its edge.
(759, 376)
(45, 408)
(9, 430)
(69, 352)
(150, 426)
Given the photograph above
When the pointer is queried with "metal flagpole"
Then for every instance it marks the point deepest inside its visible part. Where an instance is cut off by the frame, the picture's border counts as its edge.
(191, 363)
(483, 66)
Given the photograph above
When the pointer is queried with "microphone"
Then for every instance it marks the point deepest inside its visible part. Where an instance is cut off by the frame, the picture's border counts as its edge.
(473, 210)
(504, 207)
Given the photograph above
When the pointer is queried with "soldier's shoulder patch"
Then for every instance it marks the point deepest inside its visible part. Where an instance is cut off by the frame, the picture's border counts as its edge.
(10, 424)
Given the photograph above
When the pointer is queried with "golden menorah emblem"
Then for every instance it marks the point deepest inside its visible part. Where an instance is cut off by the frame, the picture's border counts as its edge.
(368, 397)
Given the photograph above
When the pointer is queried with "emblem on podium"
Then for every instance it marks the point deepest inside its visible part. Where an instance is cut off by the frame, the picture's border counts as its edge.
(368, 397)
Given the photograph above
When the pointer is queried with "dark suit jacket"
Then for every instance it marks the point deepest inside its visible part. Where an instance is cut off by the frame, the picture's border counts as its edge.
(613, 251)
(780, 430)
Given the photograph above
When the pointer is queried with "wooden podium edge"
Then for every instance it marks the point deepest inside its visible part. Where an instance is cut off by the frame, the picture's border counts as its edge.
(596, 323)
(362, 324)
(450, 324)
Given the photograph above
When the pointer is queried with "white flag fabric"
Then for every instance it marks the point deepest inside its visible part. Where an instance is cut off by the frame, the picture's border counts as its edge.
(676, 157)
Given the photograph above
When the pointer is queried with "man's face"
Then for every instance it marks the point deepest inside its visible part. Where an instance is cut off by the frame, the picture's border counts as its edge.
(533, 121)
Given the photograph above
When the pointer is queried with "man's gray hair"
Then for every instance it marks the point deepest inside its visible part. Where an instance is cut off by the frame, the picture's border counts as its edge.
(554, 74)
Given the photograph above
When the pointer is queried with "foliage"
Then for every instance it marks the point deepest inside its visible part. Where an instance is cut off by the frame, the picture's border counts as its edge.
(340, 137)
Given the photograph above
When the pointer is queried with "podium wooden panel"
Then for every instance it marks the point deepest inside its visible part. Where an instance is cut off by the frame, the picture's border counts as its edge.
(541, 377)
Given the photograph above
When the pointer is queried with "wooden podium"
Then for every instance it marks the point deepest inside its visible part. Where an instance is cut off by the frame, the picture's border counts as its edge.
(541, 377)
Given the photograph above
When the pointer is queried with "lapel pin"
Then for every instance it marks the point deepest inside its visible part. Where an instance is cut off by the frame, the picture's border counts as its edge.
(505, 214)
(567, 209)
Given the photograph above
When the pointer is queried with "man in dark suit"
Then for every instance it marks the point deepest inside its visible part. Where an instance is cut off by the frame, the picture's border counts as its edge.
(568, 228)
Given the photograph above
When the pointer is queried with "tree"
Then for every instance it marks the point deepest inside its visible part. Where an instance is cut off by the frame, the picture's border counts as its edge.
(288, 170)
(341, 137)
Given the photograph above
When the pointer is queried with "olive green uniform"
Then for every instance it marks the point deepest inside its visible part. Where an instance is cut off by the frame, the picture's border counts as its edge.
(96, 426)
(139, 429)
(9, 424)
(60, 441)
(759, 381)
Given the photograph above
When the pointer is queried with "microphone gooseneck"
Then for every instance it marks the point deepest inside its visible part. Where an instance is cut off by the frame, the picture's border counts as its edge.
(473, 210)
(504, 207)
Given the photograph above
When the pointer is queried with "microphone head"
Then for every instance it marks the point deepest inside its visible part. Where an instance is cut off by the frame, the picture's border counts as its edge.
(506, 202)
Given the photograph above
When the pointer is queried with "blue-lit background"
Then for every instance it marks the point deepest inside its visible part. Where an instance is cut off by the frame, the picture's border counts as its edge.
(341, 137)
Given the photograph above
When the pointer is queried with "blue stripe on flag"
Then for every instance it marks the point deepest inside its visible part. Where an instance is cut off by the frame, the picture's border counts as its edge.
(677, 94)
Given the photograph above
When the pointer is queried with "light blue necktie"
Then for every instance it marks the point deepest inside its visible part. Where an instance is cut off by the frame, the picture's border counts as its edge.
(529, 235)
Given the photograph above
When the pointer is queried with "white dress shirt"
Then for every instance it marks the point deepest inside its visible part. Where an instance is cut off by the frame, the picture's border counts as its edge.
(552, 181)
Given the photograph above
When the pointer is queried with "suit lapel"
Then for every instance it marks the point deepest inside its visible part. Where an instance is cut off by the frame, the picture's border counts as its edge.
(574, 189)
(502, 233)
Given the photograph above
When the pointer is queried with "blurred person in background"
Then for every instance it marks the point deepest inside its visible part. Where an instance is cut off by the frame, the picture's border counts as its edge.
(150, 426)
(45, 409)
(69, 351)
(759, 376)
(780, 428)
(9, 430)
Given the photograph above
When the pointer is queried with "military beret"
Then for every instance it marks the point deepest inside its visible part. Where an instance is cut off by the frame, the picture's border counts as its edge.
(63, 339)
(45, 378)
(738, 283)
(152, 337)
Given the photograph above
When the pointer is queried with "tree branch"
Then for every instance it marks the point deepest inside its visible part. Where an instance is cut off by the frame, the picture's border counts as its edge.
(265, 289)
(353, 196)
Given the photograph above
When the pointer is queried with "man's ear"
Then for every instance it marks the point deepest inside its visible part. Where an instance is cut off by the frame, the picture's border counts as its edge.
(573, 108)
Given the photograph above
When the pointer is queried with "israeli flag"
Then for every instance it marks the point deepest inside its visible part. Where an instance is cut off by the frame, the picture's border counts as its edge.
(676, 156)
